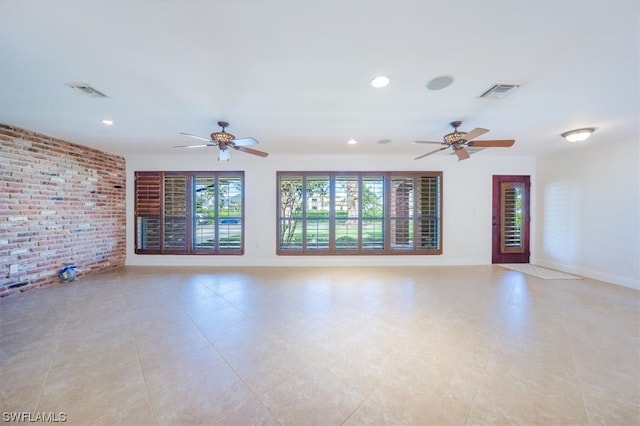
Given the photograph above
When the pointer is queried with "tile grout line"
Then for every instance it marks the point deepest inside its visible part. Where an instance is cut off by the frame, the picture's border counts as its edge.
(55, 353)
(484, 372)
(146, 385)
(224, 358)
(354, 410)
(575, 368)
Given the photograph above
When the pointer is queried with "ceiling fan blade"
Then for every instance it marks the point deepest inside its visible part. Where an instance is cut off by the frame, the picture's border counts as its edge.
(196, 146)
(504, 143)
(478, 131)
(245, 141)
(251, 151)
(462, 153)
(196, 137)
(432, 152)
(439, 143)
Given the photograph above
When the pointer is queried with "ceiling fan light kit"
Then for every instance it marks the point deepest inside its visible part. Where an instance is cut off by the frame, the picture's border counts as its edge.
(223, 155)
(578, 135)
(222, 136)
(454, 136)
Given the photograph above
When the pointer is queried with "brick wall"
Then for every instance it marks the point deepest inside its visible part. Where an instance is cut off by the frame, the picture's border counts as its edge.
(59, 202)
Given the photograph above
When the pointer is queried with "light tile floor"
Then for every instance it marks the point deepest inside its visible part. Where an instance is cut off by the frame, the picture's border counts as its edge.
(323, 346)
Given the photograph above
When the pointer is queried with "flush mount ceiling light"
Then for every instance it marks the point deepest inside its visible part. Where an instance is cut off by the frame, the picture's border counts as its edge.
(107, 122)
(352, 141)
(380, 81)
(578, 135)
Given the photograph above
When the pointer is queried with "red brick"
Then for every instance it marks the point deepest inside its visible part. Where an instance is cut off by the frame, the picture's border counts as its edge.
(41, 173)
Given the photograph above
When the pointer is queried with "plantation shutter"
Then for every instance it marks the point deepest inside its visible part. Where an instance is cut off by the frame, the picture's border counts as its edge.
(347, 212)
(189, 213)
(359, 213)
(428, 199)
(175, 212)
(401, 212)
(148, 208)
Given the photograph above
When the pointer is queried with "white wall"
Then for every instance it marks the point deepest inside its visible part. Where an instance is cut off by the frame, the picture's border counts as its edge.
(466, 204)
(589, 213)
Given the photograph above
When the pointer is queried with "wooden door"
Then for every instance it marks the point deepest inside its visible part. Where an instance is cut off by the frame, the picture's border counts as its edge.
(510, 234)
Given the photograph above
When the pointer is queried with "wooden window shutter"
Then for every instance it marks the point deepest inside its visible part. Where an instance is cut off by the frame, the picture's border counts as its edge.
(359, 213)
(148, 198)
(175, 213)
(428, 208)
(148, 208)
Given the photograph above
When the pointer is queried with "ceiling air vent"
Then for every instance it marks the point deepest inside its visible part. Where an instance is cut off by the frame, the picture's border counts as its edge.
(87, 90)
(499, 90)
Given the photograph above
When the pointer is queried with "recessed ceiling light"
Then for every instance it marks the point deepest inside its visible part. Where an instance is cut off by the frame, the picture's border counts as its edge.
(107, 122)
(352, 141)
(384, 141)
(380, 81)
(439, 83)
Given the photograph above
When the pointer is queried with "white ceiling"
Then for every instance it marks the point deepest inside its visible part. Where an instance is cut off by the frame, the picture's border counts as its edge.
(295, 74)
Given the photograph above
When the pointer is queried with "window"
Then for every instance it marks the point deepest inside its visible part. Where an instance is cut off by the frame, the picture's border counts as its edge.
(189, 212)
(359, 213)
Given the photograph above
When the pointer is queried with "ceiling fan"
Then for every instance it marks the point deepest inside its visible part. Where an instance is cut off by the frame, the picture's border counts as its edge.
(459, 140)
(224, 141)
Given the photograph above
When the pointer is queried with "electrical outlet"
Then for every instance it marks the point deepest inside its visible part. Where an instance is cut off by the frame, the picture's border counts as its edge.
(13, 269)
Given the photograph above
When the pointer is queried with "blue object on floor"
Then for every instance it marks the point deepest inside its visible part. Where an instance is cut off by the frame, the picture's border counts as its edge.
(67, 273)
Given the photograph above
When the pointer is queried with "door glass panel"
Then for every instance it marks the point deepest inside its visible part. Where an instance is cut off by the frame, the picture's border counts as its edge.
(511, 218)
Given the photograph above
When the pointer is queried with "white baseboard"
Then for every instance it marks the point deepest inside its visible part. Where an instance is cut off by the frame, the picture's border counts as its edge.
(629, 282)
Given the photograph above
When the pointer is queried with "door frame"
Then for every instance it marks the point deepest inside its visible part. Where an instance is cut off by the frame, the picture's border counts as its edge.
(497, 255)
